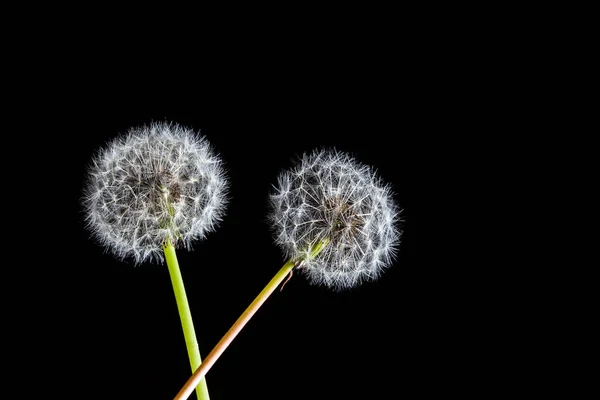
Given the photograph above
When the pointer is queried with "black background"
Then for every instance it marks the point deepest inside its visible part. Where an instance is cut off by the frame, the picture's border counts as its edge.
(460, 109)
(113, 329)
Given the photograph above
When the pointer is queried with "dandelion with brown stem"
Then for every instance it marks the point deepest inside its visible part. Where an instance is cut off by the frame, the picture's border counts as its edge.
(336, 223)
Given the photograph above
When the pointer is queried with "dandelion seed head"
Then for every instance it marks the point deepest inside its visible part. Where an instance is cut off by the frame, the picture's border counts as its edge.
(158, 182)
(329, 194)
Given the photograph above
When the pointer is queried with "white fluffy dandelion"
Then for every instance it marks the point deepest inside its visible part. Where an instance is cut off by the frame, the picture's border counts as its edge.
(160, 182)
(156, 188)
(335, 220)
(330, 195)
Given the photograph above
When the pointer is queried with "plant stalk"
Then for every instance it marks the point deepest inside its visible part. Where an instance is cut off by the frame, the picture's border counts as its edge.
(186, 318)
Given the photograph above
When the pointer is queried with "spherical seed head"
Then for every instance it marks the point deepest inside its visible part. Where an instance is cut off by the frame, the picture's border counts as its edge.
(330, 195)
(157, 183)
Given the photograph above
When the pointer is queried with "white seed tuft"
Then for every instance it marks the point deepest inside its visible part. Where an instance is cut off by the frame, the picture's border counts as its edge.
(330, 195)
(157, 182)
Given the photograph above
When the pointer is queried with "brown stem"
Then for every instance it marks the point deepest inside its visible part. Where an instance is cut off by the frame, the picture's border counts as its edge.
(209, 360)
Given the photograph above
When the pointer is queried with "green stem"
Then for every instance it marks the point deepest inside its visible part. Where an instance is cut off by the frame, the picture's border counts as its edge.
(185, 316)
(198, 375)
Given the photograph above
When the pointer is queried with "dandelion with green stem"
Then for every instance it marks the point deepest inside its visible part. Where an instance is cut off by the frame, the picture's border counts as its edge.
(337, 224)
(158, 188)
